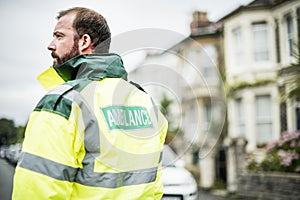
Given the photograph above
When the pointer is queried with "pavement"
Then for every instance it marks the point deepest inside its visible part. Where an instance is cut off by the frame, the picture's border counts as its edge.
(6, 179)
(213, 195)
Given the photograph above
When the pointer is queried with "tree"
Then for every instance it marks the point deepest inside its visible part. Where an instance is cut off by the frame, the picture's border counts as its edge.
(8, 131)
(20, 133)
(165, 104)
(294, 91)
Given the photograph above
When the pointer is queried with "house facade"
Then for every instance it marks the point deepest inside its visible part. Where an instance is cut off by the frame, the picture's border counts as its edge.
(206, 95)
(245, 62)
(287, 18)
(188, 73)
(258, 43)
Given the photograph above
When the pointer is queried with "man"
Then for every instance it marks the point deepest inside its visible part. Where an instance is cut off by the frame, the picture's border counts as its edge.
(93, 135)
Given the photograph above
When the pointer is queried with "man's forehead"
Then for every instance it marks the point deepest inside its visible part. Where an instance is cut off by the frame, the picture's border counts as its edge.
(65, 22)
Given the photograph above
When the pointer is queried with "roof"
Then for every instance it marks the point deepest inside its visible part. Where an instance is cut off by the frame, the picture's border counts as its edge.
(256, 5)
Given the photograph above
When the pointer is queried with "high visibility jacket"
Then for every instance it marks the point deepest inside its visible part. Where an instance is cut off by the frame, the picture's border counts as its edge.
(92, 136)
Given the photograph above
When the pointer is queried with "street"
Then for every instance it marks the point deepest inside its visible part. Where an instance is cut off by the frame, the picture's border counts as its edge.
(6, 183)
(207, 196)
(6, 179)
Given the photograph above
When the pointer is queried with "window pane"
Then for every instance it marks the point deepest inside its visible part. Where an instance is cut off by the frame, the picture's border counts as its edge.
(237, 45)
(190, 123)
(290, 34)
(207, 116)
(191, 67)
(240, 117)
(263, 119)
(263, 106)
(260, 42)
(264, 133)
(298, 118)
(207, 62)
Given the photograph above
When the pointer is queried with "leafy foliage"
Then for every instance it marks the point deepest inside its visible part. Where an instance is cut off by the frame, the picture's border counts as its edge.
(295, 84)
(282, 155)
(232, 89)
(173, 131)
(9, 133)
(165, 106)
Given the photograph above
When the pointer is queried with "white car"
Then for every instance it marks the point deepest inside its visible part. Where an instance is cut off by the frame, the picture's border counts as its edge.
(179, 184)
(13, 153)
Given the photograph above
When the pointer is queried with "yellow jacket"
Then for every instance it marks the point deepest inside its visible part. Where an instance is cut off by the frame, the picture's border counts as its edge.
(92, 136)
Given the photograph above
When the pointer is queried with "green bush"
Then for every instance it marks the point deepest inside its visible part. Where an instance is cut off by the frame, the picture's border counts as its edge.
(282, 155)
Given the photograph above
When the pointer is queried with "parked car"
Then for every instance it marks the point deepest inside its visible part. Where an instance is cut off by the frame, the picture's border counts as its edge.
(3, 150)
(13, 153)
(179, 184)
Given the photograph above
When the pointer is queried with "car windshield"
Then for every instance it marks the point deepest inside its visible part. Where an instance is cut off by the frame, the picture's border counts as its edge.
(169, 157)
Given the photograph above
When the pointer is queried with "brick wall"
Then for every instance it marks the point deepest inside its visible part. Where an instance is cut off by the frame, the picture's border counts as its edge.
(269, 186)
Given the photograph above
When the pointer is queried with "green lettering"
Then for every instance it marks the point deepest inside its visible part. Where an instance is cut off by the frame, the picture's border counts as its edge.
(132, 121)
(137, 115)
(111, 119)
(126, 117)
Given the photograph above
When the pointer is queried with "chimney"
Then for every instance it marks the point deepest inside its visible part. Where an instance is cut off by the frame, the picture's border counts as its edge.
(200, 19)
(200, 23)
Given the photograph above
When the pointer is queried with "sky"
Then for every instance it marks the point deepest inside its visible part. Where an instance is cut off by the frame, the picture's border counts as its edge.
(27, 27)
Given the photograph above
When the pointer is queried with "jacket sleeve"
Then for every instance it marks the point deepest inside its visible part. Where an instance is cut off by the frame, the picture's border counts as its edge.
(163, 123)
(51, 151)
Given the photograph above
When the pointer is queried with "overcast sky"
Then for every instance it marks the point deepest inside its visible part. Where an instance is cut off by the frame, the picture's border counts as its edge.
(27, 26)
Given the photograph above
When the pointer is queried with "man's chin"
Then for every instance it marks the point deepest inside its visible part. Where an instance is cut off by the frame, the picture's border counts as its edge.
(55, 63)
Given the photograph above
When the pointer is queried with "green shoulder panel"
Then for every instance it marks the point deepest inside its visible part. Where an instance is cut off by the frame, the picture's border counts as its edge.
(58, 101)
(55, 103)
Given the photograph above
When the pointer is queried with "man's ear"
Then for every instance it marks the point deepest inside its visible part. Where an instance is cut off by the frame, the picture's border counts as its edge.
(85, 44)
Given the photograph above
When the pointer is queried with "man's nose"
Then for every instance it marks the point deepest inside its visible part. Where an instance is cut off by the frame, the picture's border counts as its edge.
(51, 46)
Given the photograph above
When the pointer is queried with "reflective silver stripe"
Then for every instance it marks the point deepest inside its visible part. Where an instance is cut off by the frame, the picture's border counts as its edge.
(91, 135)
(115, 180)
(86, 176)
(47, 167)
(61, 89)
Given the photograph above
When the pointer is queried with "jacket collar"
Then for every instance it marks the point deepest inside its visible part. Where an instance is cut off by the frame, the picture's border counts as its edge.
(85, 66)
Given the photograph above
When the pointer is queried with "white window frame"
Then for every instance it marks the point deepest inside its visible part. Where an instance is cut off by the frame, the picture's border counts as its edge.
(290, 36)
(237, 44)
(263, 120)
(239, 116)
(297, 115)
(209, 69)
(260, 49)
(207, 116)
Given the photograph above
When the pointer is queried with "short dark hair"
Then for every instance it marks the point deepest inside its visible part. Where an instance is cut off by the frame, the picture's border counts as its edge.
(90, 22)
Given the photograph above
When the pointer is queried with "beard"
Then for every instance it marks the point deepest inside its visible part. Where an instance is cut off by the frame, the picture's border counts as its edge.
(71, 54)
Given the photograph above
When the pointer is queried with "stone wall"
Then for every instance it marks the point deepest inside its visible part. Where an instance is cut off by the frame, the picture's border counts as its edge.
(269, 186)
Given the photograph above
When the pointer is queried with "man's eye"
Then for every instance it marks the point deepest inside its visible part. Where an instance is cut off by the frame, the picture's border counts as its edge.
(58, 36)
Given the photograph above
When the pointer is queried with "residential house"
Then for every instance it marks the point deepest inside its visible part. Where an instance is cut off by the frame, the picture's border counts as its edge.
(258, 42)
(188, 73)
